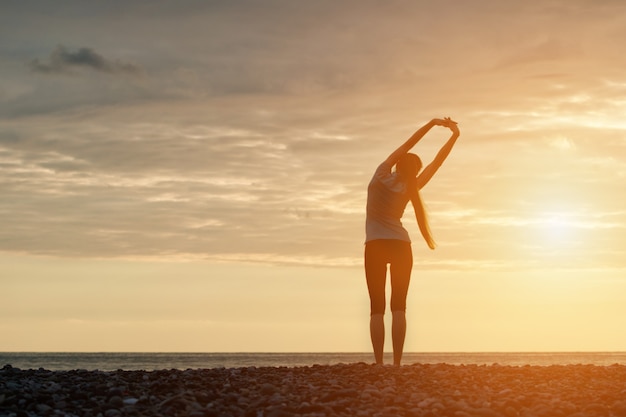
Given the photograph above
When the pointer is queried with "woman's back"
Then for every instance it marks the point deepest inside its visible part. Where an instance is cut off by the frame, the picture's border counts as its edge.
(386, 200)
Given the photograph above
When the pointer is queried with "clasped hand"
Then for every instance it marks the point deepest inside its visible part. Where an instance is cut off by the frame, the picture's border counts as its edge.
(447, 122)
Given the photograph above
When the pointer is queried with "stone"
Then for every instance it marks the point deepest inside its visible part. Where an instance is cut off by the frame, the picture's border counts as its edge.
(115, 402)
(267, 389)
(43, 408)
(356, 390)
(112, 413)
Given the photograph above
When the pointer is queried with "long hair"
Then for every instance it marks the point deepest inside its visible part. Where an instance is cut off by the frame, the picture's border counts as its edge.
(408, 167)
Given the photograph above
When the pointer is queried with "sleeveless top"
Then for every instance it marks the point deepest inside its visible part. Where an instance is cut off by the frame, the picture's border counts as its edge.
(386, 200)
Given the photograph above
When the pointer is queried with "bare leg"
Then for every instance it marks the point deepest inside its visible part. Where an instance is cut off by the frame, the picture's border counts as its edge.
(398, 332)
(377, 333)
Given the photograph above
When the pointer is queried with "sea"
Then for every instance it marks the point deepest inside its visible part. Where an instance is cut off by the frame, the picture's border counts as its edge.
(112, 361)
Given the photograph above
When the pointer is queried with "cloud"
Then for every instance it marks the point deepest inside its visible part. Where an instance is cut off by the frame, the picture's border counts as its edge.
(61, 61)
(213, 189)
(255, 134)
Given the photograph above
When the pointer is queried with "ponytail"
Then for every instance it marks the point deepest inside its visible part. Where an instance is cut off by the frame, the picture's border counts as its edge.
(420, 212)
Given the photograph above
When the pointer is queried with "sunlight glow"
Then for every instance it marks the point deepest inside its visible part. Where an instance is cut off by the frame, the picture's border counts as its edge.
(557, 228)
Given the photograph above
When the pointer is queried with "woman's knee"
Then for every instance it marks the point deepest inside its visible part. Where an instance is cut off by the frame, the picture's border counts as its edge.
(398, 304)
(377, 306)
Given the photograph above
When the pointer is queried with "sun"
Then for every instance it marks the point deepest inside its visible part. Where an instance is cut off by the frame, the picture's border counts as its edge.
(552, 238)
(558, 233)
(557, 227)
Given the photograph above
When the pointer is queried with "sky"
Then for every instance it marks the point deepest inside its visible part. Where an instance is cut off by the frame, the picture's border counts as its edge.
(191, 176)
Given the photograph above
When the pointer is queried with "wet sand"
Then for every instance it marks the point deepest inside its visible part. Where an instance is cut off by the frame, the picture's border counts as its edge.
(336, 390)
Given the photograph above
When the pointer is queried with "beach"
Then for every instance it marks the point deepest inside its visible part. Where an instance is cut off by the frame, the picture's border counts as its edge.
(321, 390)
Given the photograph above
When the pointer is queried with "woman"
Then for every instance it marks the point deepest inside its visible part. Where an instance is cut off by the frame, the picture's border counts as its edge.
(387, 242)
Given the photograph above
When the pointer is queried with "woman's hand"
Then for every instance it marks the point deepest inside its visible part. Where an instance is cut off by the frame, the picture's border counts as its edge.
(439, 122)
(445, 122)
(451, 124)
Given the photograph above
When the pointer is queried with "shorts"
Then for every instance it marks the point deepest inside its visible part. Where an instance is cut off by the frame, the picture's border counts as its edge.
(398, 254)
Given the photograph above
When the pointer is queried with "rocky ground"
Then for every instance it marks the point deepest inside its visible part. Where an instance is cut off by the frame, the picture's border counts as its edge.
(338, 390)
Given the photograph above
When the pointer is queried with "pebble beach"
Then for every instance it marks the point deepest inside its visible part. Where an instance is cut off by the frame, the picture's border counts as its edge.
(330, 390)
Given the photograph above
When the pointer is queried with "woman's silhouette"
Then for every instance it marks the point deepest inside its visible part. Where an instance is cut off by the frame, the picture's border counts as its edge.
(387, 242)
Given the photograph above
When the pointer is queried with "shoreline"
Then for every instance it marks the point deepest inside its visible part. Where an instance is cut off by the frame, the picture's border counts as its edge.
(358, 389)
(111, 361)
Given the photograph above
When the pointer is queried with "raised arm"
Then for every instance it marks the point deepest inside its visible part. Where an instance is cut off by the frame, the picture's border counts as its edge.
(429, 171)
(406, 146)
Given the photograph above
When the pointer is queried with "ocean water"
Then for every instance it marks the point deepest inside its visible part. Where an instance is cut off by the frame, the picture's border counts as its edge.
(56, 361)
